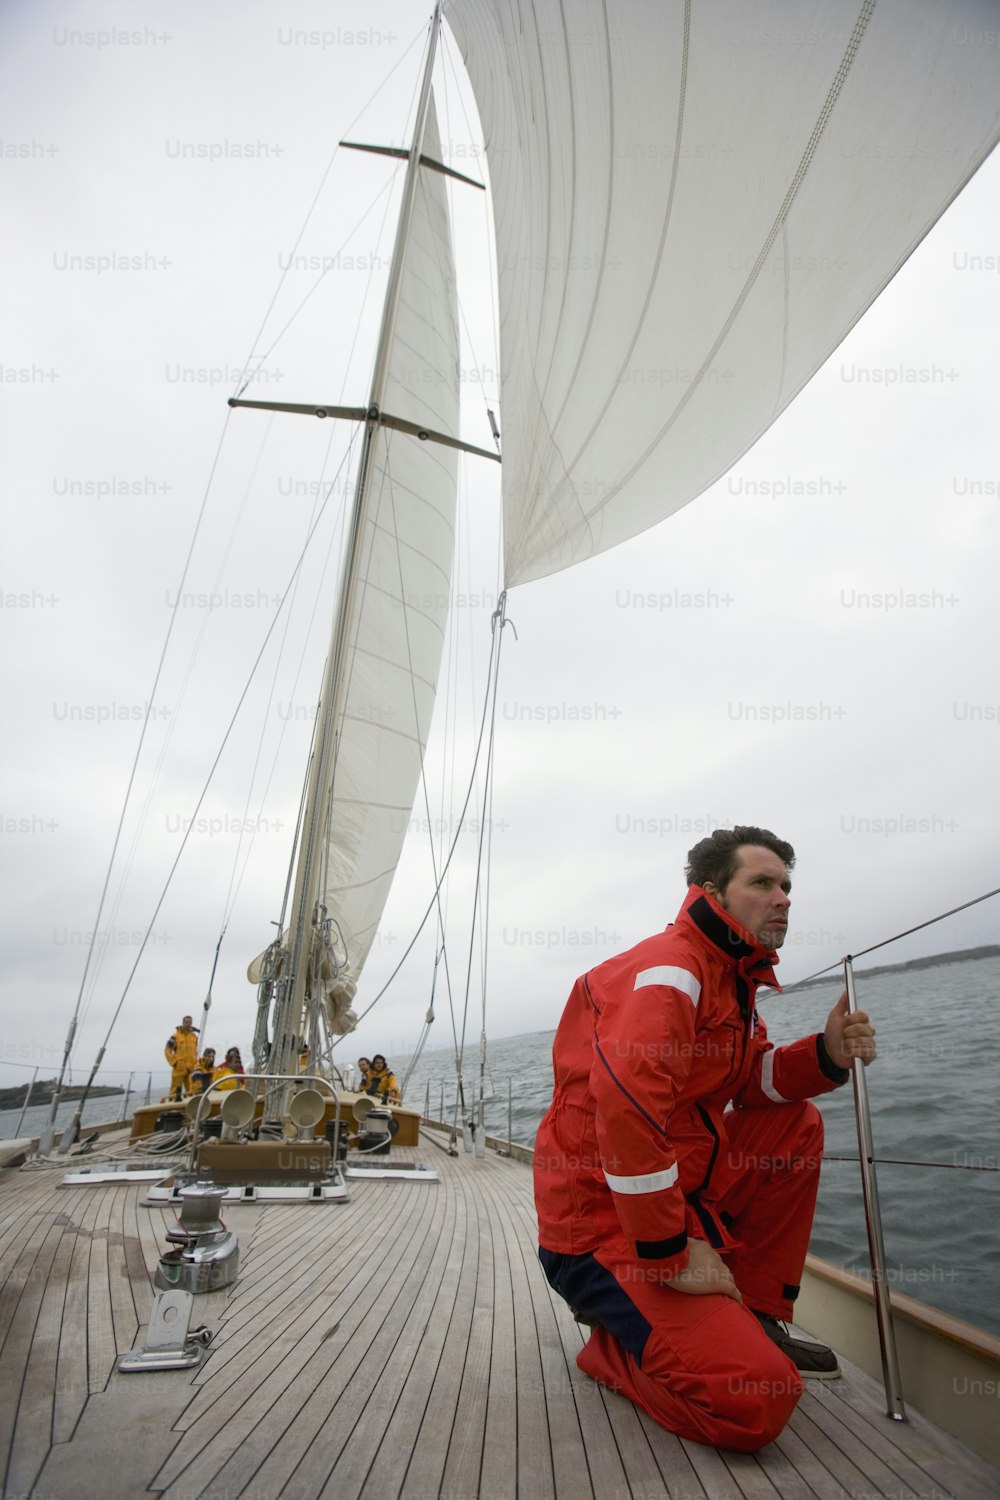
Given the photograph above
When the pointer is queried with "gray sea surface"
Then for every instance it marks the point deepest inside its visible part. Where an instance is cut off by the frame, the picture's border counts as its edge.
(36, 1116)
(933, 1097)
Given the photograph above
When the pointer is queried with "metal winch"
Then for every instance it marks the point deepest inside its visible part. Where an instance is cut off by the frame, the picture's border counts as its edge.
(377, 1132)
(207, 1256)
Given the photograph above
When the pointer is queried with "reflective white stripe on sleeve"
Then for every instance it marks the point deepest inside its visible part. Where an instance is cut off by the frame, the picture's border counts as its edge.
(679, 979)
(767, 1078)
(646, 1182)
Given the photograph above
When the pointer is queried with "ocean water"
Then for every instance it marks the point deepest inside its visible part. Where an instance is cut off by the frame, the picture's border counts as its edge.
(933, 1098)
(36, 1116)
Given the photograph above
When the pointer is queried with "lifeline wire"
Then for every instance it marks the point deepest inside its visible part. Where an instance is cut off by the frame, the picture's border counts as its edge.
(885, 941)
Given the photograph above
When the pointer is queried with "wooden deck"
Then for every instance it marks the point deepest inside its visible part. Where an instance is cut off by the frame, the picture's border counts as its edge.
(402, 1344)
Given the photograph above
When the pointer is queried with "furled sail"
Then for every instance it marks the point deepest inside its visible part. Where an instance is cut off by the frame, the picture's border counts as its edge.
(694, 203)
(394, 630)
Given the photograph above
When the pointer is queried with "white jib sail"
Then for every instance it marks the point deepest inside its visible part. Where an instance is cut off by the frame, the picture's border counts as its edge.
(396, 631)
(694, 203)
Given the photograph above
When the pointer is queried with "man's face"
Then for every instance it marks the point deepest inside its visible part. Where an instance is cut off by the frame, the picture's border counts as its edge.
(757, 896)
(186, 1023)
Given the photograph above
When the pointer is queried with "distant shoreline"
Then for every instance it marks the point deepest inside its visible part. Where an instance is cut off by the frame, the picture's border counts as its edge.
(44, 1089)
(989, 950)
(959, 955)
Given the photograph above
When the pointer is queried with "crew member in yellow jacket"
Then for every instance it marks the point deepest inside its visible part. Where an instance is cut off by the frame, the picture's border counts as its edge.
(230, 1074)
(181, 1053)
(204, 1071)
(382, 1081)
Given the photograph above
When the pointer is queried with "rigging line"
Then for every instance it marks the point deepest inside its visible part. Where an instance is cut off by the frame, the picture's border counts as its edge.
(480, 369)
(332, 486)
(190, 669)
(384, 192)
(501, 603)
(459, 1046)
(207, 1003)
(187, 834)
(312, 740)
(486, 901)
(456, 91)
(309, 213)
(234, 894)
(369, 284)
(498, 624)
(451, 853)
(293, 855)
(168, 736)
(902, 1161)
(441, 911)
(123, 1071)
(449, 755)
(885, 941)
(148, 714)
(451, 199)
(371, 526)
(489, 802)
(451, 730)
(928, 923)
(367, 536)
(248, 376)
(264, 1011)
(416, 712)
(424, 1034)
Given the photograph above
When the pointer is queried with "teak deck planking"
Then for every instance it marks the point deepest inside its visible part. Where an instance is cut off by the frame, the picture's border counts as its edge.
(402, 1344)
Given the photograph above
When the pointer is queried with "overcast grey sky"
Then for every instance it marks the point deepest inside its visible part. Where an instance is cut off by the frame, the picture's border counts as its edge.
(811, 645)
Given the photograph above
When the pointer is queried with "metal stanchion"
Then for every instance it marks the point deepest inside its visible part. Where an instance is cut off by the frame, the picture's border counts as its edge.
(507, 1150)
(480, 1131)
(873, 1223)
(468, 1141)
(27, 1101)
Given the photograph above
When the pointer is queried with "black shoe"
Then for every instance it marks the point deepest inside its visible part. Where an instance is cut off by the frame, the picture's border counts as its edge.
(583, 1320)
(813, 1361)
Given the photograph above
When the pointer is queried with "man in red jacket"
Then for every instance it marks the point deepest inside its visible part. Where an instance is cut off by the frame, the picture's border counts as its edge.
(677, 1167)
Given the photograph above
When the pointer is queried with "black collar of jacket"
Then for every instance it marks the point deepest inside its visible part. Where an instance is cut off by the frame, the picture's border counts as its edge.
(731, 941)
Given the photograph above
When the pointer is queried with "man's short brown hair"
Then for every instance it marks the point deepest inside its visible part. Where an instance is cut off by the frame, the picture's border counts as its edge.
(716, 859)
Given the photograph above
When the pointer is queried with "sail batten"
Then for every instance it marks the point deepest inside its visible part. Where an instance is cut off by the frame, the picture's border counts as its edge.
(694, 204)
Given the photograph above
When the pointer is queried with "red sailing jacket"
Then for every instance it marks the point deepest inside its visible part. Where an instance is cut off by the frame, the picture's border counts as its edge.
(652, 1047)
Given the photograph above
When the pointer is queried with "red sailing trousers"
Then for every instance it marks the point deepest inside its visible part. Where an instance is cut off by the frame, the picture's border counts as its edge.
(707, 1371)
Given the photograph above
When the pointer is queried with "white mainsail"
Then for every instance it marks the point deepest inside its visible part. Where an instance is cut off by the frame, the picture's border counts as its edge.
(397, 609)
(694, 204)
(397, 632)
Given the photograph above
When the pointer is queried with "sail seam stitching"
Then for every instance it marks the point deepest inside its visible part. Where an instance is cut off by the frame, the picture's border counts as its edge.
(844, 67)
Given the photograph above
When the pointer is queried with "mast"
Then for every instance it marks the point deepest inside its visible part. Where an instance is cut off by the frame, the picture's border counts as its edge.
(290, 1012)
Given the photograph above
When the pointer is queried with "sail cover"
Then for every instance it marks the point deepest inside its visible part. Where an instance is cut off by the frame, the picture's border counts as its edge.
(396, 629)
(694, 203)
